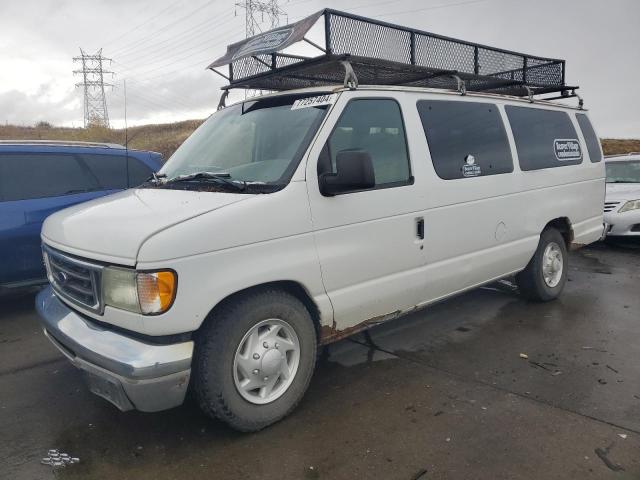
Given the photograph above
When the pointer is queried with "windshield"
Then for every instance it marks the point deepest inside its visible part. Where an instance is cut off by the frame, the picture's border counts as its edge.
(623, 172)
(257, 141)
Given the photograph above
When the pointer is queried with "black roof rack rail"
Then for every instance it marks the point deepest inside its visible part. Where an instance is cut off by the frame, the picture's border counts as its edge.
(381, 53)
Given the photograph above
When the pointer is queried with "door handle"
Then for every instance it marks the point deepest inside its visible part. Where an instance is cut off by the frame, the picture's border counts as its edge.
(420, 228)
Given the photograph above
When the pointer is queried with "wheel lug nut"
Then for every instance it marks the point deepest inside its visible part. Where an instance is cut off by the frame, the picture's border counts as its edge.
(266, 378)
(256, 371)
(265, 345)
(256, 356)
(277, 346)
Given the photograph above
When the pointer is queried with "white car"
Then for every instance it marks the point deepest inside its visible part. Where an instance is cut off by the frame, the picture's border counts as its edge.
(622, 200)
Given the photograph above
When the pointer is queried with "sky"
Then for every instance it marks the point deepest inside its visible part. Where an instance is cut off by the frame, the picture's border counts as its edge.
(162, 47)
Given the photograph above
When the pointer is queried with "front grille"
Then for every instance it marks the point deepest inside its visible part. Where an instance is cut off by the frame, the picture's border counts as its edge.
(74, 279)
(609, 206)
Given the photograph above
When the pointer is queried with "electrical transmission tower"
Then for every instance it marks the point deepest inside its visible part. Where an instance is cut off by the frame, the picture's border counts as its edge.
(252, 26)
(95, 102)
(254, 7)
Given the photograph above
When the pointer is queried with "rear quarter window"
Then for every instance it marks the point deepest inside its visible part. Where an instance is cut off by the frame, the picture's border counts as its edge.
(544, 138)
(466, 139)
(590, 137)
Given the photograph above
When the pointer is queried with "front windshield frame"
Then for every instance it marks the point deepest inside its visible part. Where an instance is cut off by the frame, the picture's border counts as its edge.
(618, 164)
(245, 107)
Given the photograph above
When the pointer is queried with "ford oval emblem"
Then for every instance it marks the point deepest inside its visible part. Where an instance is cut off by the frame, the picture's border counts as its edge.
(61, 277)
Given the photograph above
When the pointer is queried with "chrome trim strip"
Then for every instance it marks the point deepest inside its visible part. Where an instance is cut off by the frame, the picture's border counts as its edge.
(95, 277)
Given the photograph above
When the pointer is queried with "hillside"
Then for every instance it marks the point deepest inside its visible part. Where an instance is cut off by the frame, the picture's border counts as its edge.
(163, 138)
(166, 137)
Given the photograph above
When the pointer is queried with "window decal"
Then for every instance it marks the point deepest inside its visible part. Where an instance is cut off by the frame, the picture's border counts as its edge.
(470, 168)
(567, 149)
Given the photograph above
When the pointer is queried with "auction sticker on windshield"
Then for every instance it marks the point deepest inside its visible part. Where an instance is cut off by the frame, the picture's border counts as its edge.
(318, 101)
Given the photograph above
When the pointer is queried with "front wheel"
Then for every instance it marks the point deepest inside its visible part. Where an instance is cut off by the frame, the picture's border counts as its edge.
(545, 276)
(254, 359)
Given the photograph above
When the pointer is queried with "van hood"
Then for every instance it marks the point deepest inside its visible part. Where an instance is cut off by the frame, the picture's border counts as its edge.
(617, 192)
(113, 228)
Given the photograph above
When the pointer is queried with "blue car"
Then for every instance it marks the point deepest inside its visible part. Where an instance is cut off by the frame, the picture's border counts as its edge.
(38, 178)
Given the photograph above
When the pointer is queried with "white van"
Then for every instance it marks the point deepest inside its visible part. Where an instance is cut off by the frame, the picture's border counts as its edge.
(292, 220)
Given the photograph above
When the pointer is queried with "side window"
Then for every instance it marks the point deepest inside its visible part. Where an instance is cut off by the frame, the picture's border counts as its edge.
(25, 176)
(590, 137)
(110, 171)
(138, 172)
(544, 138)
(466, 139)
(375, 126)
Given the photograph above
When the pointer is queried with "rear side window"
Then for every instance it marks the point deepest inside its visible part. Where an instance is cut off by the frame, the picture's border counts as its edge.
(138, 172)
(110, 171)
(544, 138)
(465, 139)
(590, 137)
(26, 176)
(374, 125)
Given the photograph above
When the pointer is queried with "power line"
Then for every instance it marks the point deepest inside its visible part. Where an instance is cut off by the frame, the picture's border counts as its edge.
(137, 27)
(164, 28)
(172, 43)
(155, 103)
(434, 7)
(369, 5)
(160, 95)
(145, 71)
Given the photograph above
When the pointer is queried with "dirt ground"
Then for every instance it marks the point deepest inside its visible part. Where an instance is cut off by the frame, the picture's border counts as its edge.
(442, 393)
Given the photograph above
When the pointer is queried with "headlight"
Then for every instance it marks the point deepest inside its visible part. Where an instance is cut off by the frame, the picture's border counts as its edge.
(139, 292)
(630, 205)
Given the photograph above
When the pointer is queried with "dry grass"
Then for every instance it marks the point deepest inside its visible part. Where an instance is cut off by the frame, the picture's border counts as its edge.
(614, 146)
(165, 138)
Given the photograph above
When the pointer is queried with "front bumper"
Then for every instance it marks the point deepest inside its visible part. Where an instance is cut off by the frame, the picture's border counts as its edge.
(623, 224)
(127, 372)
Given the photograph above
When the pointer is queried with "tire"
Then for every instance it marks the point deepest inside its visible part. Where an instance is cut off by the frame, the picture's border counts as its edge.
(224, 349)
(532, 282)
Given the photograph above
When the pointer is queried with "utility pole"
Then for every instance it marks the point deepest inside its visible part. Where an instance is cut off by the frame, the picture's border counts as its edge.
(254, 7)
(95, 102)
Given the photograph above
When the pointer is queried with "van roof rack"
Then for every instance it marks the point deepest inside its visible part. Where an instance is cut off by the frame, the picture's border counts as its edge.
(61, 143)
(360, 50)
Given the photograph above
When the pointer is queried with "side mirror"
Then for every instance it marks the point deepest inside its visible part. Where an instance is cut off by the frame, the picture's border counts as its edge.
(354, 171)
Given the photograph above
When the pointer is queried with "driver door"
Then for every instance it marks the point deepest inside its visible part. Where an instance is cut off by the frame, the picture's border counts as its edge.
(369, 242)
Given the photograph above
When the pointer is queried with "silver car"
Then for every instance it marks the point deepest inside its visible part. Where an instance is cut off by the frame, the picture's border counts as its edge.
(622, 200)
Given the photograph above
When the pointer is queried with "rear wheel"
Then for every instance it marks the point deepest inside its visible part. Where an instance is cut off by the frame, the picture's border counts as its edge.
(545, 276)
(254, 360)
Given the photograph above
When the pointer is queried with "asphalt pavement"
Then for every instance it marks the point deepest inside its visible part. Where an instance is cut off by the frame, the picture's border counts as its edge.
(481, 386)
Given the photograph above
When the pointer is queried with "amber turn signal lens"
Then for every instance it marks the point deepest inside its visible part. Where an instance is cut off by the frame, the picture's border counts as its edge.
(156, 291)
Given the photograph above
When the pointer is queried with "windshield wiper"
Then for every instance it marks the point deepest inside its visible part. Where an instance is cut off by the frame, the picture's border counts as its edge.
(621, 181)
(218, 177)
